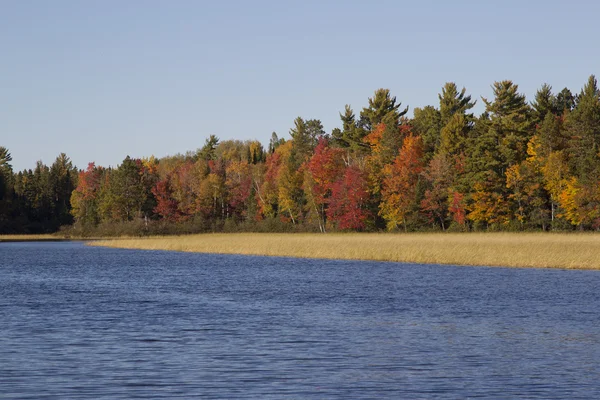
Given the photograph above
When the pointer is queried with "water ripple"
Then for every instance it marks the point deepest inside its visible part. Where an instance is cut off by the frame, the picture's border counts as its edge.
(92, 323)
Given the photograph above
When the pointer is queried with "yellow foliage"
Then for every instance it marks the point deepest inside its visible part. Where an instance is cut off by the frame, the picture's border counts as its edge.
(533, 149)
(568, 201)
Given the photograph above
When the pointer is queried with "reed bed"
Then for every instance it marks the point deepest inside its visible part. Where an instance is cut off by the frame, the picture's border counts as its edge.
(29, 238)
(538, 250)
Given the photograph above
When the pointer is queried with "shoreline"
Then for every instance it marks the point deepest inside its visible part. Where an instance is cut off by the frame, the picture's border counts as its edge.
(32, 238)
(515, 250)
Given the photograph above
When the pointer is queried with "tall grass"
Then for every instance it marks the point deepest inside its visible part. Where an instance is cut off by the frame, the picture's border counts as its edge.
(28, 238)
(544, 250)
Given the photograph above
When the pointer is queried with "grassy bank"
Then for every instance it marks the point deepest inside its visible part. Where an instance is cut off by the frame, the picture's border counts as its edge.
(30, 238)
(543, 250)
(54, 237)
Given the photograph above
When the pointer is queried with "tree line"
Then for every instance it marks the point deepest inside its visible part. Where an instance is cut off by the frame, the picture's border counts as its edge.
(518, 166)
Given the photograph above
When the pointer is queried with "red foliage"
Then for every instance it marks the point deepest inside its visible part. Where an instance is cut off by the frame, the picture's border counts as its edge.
(349, 196)
(325, 166)
(89, 182)
(457, 208)
(239, 185)
(166, 205)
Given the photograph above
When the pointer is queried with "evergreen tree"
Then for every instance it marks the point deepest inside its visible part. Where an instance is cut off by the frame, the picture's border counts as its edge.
(382, 108)
(5, 158)
(565, 101)
(5, 174)
(305, 136)
(454, 135)
(315, 131)
(62, 183)
(275, 142)
(38, 200)
(483, 161)
(427, 123)
(583, 126)
(551, 135)
(122, 194)
(452, 102)
(207, 152)
(511, 122)
(351, 135)
(6, 191)
(545, 103)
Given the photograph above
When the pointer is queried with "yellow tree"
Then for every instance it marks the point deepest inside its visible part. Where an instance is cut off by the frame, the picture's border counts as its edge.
(527, 197)
(399, 191)
(581, 203)
(555, 172)
(488, 206)
(289, 185)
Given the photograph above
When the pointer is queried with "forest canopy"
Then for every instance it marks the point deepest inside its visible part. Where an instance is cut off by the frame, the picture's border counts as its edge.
(520, 165)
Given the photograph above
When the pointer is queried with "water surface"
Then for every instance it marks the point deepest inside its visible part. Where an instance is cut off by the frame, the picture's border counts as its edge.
(94, 323)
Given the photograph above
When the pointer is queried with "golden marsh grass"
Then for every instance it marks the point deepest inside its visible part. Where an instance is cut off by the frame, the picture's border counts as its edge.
(28, 238)
(541, 250)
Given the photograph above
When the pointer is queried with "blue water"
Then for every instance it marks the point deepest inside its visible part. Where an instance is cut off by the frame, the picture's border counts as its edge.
(78, 322)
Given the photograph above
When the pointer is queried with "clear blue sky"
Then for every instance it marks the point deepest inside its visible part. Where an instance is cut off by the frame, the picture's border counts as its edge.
(100, 80)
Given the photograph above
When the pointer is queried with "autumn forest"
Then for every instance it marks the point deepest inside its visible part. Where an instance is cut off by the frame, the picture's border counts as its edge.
(520, 165)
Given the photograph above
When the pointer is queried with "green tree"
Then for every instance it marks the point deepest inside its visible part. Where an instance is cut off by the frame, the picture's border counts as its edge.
(122, 194)
(6, 190)
(208, 151)
(351, 135)
(427, 123)
(583, 127)
(511, 122)
(63, 180)
(36, 200)
(552, 135)
(5, 158)
(275, 142)
(382, 108)
(454, 102)
(545, 103)
(454, 135)
(5, 173)
(305, 136)
(565, 101)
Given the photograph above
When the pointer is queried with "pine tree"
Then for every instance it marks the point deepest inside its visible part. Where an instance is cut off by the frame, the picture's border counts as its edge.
(208, 151)
(427, 123)
(351, 134)
(452, 102)
(454, 135)
(275, 142)
(545, 103)
(551, 134)
(122, 194)
(63, 180)
(511, 122)
(302, 143)
(6, 191)
(583, 127)
(565, 101)
(5, 174)
(382, 106)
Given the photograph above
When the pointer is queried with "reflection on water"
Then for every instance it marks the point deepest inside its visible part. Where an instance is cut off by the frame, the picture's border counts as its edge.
(92, 323)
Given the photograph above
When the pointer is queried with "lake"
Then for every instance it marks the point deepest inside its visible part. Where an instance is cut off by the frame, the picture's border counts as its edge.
(81, 322)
